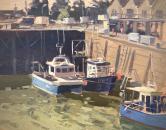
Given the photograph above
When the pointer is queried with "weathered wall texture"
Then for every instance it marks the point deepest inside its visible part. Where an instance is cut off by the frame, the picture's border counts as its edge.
(141, 60)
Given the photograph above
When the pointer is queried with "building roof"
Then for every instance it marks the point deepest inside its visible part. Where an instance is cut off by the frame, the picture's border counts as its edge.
(12, 4)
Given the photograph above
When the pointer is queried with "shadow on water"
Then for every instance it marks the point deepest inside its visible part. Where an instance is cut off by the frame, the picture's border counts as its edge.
(95, 99)
(131, 125)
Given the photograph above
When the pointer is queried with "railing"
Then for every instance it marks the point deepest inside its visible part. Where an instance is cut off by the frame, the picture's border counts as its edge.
(144, 108)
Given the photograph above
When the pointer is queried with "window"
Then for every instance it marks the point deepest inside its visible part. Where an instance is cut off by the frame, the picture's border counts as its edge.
(99, 69)
(130, 13)
(114, 12)
(52, 69)
(159, 14)
(144, 13)
(71, 69)
(58, 70)
(64, 70)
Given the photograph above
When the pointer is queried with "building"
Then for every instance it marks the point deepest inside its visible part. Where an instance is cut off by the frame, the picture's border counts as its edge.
(8, 8)
(138, 9)
(145, 16)
(116, 8)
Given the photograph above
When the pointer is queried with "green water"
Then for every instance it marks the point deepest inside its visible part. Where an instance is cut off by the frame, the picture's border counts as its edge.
(31, 109)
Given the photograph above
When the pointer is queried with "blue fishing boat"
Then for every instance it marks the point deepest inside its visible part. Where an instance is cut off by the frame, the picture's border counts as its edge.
(145, 105)
(60, 78)
(99, 77)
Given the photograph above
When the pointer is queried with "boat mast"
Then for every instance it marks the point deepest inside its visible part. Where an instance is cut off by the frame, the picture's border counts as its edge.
(58, 45)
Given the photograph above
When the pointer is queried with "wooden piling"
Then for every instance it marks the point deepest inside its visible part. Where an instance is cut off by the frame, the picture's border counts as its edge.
(14, 60)
(117, 58)
(105, 49)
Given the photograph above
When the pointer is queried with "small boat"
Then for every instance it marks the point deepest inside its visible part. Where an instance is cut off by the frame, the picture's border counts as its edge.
(60, 78)
(145, 105)
(99, 77)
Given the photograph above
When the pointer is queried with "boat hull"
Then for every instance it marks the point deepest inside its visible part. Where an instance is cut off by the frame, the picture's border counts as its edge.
(50, 87)
(101, 84)
(154, 120)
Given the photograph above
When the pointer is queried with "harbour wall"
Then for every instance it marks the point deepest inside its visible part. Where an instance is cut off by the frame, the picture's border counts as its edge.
(18, 48)
(141, 62)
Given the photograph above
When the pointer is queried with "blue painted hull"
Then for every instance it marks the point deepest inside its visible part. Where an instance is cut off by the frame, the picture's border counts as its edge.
(49, 87)
(102, 84)
(154, 120)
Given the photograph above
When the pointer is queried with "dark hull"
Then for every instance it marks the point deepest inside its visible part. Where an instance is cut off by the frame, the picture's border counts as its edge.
(101, 84)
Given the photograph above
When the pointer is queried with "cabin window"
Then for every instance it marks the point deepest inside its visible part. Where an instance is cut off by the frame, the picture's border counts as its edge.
(58, 70)
(99, 69)
(71, 69)
(60, 60)
(52, 69)
(94, 68)
(64, 70)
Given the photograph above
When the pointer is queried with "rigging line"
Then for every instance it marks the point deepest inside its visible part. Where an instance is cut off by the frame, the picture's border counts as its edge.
(58, 35)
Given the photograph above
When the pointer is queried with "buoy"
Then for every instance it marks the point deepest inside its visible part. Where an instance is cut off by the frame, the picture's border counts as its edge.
(85, 82)
(119, 75)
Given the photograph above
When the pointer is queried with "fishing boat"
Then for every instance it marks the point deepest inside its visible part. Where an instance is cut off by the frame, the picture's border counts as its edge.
(99, 77)
(145, 105)
(60, 78)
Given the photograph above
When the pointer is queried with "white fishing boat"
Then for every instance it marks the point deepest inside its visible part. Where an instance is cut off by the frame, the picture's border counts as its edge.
(60, 78)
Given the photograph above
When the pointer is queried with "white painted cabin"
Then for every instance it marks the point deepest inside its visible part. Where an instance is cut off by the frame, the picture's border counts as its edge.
(97, 68)
(61, 67)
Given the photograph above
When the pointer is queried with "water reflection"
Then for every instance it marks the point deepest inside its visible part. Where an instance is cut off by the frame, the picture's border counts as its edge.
(41, 111)
(131, 125)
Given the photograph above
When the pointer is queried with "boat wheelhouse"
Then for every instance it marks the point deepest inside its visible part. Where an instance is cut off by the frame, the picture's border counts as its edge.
(60, 78)
(99, 76)
(145, 105)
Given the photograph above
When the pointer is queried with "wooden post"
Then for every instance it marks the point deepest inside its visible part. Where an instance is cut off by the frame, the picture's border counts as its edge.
(14, 61)
(91, 49)
(105, 50)
(147, 69)
(127, 61)
(27, 54)
(117, 58)
(131, 64)
(161, 30)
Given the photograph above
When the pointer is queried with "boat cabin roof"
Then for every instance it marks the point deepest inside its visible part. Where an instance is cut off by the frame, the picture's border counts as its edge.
(59, 61)
(145, 90)
(98, 62)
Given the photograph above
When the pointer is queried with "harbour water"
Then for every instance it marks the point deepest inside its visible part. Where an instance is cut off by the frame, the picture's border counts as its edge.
(31, 108)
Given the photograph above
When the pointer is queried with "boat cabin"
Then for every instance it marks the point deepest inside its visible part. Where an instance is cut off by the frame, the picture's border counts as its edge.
(61, 67)
(97, 68)
(147, 99)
